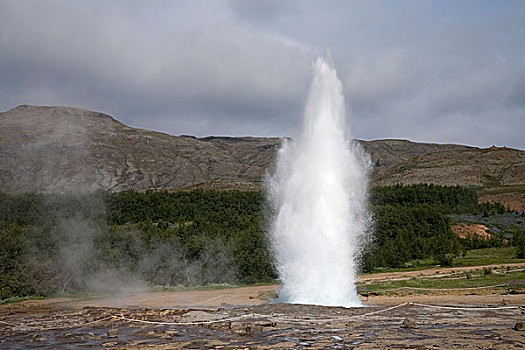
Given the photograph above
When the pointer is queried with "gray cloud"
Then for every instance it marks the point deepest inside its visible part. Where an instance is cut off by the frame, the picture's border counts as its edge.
(429, 71)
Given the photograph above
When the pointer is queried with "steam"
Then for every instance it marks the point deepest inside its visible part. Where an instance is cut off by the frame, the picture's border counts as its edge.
(319, 195)
(87, 254)
(168, 263)
(101, 259)
(84, 261)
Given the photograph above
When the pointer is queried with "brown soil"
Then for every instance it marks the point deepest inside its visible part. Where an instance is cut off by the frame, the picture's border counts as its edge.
(242, 318)
(470, 230)
(512, 201)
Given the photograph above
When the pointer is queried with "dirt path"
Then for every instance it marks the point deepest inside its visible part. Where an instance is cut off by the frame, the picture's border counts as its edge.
(437, 272)
(248, 296)
(201, 299)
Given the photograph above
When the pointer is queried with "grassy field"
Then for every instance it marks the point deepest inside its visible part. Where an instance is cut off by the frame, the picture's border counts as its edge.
(477, 257)
(488, 256)
(472, 279)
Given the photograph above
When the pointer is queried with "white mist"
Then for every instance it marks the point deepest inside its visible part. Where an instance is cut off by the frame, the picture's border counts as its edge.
(319, 198)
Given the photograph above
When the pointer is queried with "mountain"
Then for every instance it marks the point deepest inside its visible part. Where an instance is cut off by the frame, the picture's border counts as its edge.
(50, 149)
(62, 148)
(386, 154)
(497, 172)
(489, 167)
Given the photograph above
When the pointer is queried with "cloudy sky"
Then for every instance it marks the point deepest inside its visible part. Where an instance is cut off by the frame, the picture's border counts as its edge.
(435, 71)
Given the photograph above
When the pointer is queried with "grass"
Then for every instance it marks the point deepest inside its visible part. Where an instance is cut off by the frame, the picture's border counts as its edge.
(71, 294)
(404, 168)
(463, 280)
(501, 189)
(20, 299)
(476, 257)
(488, 256)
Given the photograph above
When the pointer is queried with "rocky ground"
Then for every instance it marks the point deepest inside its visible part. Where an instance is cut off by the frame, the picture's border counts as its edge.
(282, 326)
(243, 318)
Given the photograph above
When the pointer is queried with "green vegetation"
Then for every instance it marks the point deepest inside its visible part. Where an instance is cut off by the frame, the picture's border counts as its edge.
(459, 280)
(413, 223)
(102, 242)
(19, 299)
(451, 199)
(488, 256)
(466, 258)
(519, 241)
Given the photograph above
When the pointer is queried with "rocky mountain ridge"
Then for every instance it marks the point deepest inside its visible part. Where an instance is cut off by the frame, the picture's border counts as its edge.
(47, 149)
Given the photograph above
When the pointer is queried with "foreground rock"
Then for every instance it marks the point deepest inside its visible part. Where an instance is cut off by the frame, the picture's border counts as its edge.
(263, 327)
(409, 322)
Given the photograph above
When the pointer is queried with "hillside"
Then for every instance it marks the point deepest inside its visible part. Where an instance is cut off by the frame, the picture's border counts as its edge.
(491, 167)
(498, 172)
(61, 148)
(49, 149)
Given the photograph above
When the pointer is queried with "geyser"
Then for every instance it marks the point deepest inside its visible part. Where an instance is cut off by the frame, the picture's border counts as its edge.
(318, 194)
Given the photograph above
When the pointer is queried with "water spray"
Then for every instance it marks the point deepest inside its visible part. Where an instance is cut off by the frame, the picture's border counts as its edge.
(318, 194)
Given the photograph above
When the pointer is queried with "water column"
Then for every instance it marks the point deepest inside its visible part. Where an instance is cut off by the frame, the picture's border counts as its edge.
(319, 198)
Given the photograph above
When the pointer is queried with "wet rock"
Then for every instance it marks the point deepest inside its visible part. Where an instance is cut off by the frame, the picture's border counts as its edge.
(240, 327)
(409, 322)
(201, 316)
(261, 324)
(519, 326)
(110, 343)
(247, 326)
(113, 333)
(40, 337)
(220, 326)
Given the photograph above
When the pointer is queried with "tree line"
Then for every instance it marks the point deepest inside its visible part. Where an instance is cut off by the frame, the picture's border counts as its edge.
(69, 242)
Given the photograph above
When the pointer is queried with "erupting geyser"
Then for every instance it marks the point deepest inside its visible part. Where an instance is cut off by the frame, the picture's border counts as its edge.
(318, 194)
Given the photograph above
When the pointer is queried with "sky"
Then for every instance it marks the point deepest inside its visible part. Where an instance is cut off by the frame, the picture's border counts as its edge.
(432, 71)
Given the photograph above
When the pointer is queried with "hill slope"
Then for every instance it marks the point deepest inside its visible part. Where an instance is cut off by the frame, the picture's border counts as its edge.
(61, 148)
(50, 149)
(491, 167)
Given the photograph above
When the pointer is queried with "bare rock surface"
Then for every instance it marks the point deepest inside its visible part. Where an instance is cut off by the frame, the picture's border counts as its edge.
(267, 326)
(409, 322)
(200, 316)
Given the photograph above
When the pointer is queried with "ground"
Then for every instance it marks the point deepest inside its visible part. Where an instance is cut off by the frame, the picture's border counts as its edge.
(243, 318)
(465, 230)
